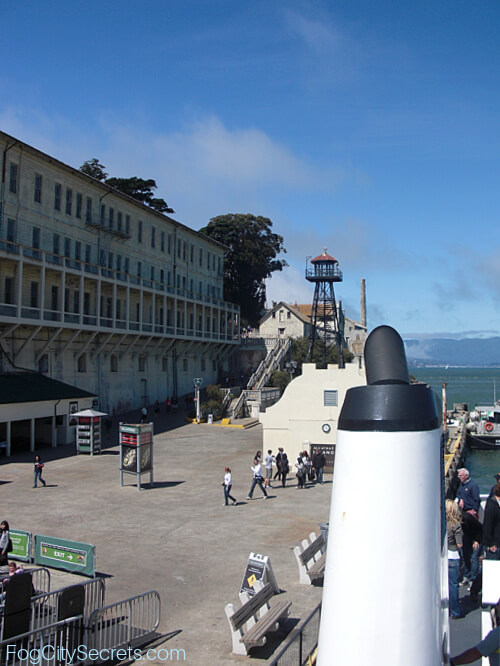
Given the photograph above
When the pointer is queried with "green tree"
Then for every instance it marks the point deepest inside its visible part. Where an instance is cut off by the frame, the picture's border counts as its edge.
(251, 258)
(299, 353)
(280, 379)
(137, 188)
(141, 190)
(94, 168)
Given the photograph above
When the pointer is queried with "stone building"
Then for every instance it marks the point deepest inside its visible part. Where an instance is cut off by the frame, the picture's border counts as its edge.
(102, 292)
(293, 321)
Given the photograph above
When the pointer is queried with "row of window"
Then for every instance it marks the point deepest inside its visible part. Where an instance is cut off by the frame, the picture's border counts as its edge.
(110, 260)
(81, 365)
(72, 305)
(121, 223)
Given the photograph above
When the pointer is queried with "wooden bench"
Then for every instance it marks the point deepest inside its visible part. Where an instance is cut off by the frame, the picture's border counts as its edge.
(255, 618)
(311, 558)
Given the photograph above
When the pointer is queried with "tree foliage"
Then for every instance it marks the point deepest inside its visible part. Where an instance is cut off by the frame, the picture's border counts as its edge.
(252, 257)
(280, 379)
(137, 188)
(141, 190)
(94, 168)
(299, 353)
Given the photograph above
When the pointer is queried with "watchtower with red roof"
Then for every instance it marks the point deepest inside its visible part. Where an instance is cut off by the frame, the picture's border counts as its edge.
(326, 320)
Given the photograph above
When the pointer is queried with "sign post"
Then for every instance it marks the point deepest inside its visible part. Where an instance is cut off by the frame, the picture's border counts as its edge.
(197, 381)
(136, 451)
(258, 568)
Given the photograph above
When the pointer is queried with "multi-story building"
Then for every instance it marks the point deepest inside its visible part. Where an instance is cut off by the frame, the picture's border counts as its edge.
(102, 292)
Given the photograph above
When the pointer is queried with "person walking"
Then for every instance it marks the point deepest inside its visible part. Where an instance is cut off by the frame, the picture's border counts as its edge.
(257, 480)
(38, 472)
(285, 467)
(319, 462)
(301, 473)
(5, 542)
(278, 464)
(268, 461)
(455, 543)
(227, 485)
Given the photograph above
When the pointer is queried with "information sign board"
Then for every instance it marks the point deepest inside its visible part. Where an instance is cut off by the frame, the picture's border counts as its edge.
(73, 556)
(258, 568)
(21, 545)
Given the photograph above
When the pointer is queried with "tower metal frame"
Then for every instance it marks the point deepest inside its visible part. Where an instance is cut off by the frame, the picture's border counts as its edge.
(327, 321)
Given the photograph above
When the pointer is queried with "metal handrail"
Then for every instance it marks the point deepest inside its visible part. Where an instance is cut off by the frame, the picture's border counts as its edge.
(302, 643)
(45, 607)
(125, 623)
(47, 643)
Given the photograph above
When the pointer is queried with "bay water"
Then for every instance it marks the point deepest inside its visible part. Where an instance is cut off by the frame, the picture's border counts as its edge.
(474, 386)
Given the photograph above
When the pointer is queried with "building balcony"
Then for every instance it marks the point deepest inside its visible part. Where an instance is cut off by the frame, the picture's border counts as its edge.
(12, 251)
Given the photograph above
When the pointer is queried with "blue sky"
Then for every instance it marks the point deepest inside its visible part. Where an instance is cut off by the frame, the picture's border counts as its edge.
(367, 127)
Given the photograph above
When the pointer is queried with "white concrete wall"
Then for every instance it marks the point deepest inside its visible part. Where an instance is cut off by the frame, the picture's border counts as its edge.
(300, 413)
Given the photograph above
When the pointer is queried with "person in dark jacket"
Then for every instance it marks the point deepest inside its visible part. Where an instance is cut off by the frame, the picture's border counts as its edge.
(318, 462)
(491, 525)
(468, 493)
(473, 538)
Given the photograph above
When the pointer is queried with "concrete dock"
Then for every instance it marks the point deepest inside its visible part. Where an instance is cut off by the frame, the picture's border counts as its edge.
(177, 537)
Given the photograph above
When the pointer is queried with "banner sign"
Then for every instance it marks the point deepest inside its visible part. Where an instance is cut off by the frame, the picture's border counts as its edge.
(72, 556)
(21, 545)
(258, 568)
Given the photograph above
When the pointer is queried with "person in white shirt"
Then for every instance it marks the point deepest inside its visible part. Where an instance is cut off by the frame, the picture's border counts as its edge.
(268, 461)
(257, 480)
(227, 484)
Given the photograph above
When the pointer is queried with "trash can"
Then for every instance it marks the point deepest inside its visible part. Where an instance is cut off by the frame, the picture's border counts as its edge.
(323, 530)
(210, 419)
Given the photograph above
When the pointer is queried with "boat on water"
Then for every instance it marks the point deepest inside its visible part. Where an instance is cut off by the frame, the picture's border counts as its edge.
(483, 429)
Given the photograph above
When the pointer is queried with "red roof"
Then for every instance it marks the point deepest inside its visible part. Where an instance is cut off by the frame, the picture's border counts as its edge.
(323, 257)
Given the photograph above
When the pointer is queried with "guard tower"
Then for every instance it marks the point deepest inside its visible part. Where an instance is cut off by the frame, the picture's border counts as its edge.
(326, 322)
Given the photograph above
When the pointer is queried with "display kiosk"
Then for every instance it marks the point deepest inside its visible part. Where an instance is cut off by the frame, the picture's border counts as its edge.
(88, 431)
(136, 451)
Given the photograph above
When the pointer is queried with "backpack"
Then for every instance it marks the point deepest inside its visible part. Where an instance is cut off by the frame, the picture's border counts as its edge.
(10, 546)
(284, 466)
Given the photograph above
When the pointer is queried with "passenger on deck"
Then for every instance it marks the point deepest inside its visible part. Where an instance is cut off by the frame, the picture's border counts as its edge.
(488, 647)
(491, 525)
(468, 493)
(13, 570)
(455, 542)
(473, 538)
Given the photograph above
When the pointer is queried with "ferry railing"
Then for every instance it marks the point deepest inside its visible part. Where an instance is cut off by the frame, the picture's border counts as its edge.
(126, 623)
(45, 607)
(48, 646)
(302, 643)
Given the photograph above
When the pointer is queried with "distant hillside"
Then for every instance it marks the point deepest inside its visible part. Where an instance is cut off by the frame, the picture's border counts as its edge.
(475, 352)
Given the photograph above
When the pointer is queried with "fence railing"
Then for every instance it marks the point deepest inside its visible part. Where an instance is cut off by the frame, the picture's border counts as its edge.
(126, 623)
(47, 646)
(302, 643)
(40, 577)
(45, 607)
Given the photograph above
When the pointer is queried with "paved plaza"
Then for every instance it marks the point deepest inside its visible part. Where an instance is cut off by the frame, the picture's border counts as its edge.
(176, 538)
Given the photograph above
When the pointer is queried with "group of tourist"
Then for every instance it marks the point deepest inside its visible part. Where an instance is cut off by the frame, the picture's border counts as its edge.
(469, 541)
(307, 470)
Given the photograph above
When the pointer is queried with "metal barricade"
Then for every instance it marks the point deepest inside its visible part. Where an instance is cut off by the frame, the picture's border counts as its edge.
(52, 645)
(302, 643)
(40, 578)
(45, 607)
(130, 622)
